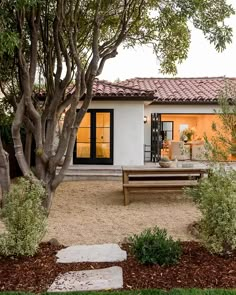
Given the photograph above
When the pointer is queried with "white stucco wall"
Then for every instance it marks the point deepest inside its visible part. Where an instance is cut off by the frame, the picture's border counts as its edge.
(173, 109)
(180, 109)
(128, 131)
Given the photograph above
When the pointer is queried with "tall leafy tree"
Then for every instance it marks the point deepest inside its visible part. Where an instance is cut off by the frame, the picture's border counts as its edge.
(68, 42)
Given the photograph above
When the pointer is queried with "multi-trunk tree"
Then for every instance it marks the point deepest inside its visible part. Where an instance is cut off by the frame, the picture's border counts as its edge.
(67, 43)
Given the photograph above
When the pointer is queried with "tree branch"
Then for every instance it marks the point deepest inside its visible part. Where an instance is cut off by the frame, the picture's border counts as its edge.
(34, 23)
(16, 124)
(104, 59)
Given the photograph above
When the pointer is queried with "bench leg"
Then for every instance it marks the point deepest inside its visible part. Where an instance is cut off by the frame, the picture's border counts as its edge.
(126, 196)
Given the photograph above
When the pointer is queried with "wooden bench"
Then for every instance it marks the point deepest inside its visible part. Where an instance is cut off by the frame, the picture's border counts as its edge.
(154, 178)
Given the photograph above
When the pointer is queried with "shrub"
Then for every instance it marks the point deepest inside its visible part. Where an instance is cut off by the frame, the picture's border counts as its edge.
(153, 246)
(24, 219)
(216, 199)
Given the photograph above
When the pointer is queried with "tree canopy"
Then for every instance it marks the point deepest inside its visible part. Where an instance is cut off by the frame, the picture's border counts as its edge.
(67, 42)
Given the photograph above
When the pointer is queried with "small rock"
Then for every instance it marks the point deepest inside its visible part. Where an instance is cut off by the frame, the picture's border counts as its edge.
(54, 242)
(194, 229)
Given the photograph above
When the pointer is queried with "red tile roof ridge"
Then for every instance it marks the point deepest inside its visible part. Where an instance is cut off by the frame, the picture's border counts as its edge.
(116, 84)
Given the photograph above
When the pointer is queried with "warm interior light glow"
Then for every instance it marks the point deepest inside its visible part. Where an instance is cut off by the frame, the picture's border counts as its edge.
(145, 119)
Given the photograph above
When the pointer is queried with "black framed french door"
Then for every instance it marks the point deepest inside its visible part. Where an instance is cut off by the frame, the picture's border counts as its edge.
(94, 140)
(156, 137)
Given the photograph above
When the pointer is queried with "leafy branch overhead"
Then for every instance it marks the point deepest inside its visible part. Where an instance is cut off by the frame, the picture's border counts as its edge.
(164, 24)
(56, 42)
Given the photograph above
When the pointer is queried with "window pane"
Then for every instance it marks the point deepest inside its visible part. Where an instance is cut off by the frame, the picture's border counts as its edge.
(169, 135)
(102, 150)
(86, 120)
(83, 135)
(83, 150)
(102, 134)
(167, 125)
(103, 119)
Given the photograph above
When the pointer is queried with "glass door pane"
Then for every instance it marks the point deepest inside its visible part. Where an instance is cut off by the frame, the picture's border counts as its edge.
(83, 146)
(103, 125)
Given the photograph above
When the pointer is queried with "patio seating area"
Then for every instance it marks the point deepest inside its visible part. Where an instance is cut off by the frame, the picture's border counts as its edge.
(192, 150)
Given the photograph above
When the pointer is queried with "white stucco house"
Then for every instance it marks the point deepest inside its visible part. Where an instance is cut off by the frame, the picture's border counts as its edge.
(128, 121)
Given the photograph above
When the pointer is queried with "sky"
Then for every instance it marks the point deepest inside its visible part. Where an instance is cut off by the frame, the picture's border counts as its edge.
(203, 60)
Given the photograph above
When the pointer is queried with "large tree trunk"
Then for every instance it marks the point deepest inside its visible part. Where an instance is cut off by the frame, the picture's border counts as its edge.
(4, 172)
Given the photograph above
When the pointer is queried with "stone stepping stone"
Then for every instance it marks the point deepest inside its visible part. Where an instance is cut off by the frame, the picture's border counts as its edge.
(89, 280)
(91, 253)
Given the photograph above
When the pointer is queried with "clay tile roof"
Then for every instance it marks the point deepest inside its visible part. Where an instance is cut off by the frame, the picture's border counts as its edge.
(102, 88)
(184, 90)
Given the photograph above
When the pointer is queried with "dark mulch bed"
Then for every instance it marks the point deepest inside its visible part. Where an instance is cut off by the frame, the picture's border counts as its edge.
(197, 268)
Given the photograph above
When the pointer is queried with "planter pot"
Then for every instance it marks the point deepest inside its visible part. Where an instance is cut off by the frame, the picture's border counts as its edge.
(165, 164)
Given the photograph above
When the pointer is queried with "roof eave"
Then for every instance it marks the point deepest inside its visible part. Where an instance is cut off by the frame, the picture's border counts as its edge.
(184, 103)
(122, 98)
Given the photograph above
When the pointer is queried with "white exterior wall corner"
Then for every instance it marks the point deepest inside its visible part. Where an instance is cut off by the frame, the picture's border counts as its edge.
(128, 130)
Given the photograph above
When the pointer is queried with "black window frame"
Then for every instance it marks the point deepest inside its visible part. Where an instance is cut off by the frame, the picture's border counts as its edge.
(93, 160)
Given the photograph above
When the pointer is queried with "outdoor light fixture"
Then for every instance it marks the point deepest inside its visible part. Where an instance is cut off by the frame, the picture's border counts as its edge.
(145, 119)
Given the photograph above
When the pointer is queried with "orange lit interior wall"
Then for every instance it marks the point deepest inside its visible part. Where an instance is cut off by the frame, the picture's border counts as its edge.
(202, 124)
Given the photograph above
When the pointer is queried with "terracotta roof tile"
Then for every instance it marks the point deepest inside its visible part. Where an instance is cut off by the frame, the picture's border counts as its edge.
(102, 88)
(187, 90)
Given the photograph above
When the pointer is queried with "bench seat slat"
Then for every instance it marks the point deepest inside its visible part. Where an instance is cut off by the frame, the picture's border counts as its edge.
(163, 175)
(161, 183)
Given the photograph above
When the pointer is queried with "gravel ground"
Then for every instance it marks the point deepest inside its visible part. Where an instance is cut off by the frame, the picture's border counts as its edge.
(90, 212)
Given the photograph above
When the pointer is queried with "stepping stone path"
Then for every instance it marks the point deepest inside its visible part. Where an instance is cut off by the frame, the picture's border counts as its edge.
(90, 280)
(91, 253)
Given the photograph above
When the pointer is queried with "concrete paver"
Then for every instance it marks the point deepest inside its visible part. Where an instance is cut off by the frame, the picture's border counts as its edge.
(89, 280)
(91, 253)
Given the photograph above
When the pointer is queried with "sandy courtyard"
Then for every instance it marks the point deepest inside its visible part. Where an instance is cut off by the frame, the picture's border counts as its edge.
(93, 212)
(89, 212)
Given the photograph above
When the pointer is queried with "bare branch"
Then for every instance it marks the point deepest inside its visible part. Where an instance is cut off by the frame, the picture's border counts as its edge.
(16, 125)
(34, 23)
(66, 80)
(104, 59)
(56, 30)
